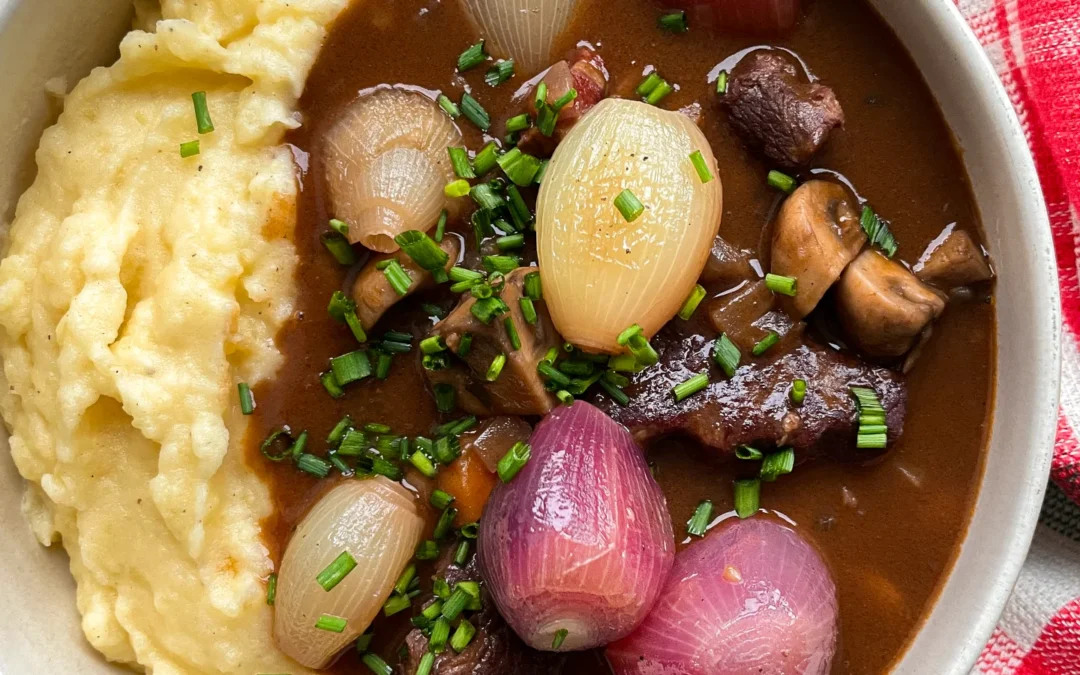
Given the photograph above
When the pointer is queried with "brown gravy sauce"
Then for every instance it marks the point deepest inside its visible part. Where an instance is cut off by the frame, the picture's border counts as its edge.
(890, 531)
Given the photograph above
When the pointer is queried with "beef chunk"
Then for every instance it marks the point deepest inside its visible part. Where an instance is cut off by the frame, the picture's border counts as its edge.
(727, 265)
(494, 650)
(584, 71)
(519, 389)
(754, 407)
(748, 314)
(953, 259)
(374, 295)
(777, 111)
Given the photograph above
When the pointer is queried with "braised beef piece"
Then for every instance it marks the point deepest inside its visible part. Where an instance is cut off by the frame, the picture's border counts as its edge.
(584, 71)
(777, 111)
(747, 315)
(754, 406)
(519, 389)
(953, 259)
(494, 650)
(727, 265)
(372, 292)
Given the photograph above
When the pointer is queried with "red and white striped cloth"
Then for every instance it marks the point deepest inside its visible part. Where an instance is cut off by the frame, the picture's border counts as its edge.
(1035, 45)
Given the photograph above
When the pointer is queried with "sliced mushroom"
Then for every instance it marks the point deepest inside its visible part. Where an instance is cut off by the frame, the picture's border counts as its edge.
(816, 235)
(953, 259)
(884, 307)
(519, 389)
(373, 293)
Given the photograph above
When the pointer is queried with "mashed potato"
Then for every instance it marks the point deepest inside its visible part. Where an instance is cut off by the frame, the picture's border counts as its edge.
(138, 290)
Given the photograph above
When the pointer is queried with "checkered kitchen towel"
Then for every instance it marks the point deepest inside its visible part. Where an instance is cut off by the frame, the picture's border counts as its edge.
(1035, 45)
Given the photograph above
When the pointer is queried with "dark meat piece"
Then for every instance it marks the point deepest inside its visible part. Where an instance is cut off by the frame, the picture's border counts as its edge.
(754, 407)
(748, 314)
(494, 650)
(374, 295)
(953, 259)
(777, 111)
(727, 265)
(519, 389)
(584, 71)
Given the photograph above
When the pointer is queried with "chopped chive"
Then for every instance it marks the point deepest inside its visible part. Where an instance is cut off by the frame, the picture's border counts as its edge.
(432, 345)
(297, 448)
(375, 664)
(549, 371)
(433, 310)
(616, 394)
(383, 264)
(624, 337)
(423, 464)
(519, 167)
(338, 432)
(350, 367)
(629, 206)
(528, 310)
(464, 274)
(798, 391)
(565, 397)
(503, 264)
(363, 643)
(316, 466)
(747, 497)
(398, 278)
(446, 449)
(355, 325)
(748, 454)
(674, 22)
(440, 500)
(721, 82)
(659, 93)
(247, 400)
(514, 461)
(434, 610)
(700, 520)
(616, 379)
(690, 387)
(649, 84)
(470, 530)
(499, 73)
(445, 523)
(440, 633)
(701, 166)
(692, 301)
(339, 247)
(448, 106)
(726, 355)
(395, 336)
(777, 464)
(512, 333)
(488, 308)
(495, 369)
(331, 385)
(382, 365)
(877, 231)
(445, 397)
(396, 604)
(486, 159)
(339, 226)
(780, 284)
(519, 211)
(543, 170)
(334, 624)
(464, 345)
(440, 227)
(471, 57)
(336, 571)
(406, 578)
(766, 343)
(781, 181)
(189, 149)
(455, 604)
(518, 123)
(486, 197)
(510, 242)
(462, 553)
(565, 100)
(457, 189)
(339, 304)
(202, 113)
(475, 112)
(873, 430)
(533, 288)
(462, 636)
(271, 589)
(643, 352)
(459, 160)
(427, 550)
(280, 439)
(560, 637)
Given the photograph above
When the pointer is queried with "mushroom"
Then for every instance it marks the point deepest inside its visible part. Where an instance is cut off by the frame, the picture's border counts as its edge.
(953, 259)
(372, 292)
(816, 235)
(883, 307)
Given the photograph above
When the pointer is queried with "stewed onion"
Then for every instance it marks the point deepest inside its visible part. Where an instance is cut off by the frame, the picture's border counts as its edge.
(754, 597)
(523, 30)
(579, 543)
(601, 272)
(767, 17)
(377, 523)
(387, 165)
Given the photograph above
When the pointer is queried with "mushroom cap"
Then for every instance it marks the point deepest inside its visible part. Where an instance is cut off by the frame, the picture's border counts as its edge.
(816, 235)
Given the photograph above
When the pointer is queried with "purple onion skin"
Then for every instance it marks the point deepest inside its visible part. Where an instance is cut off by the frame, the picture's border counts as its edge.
(780, 618)
(581, 538)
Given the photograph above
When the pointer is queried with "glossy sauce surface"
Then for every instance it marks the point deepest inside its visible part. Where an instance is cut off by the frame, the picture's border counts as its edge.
(890, 531)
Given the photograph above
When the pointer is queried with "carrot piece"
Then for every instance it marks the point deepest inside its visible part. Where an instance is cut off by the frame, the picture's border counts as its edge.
(470, 482)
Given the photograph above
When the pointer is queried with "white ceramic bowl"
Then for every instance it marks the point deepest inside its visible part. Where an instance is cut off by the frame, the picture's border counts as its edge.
(41, 39)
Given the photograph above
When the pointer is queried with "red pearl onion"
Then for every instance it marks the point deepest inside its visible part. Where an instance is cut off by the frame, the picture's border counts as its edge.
(752, 598)
(580, 540)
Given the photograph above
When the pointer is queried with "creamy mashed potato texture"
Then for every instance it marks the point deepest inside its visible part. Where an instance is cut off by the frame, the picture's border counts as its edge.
(138, 290)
